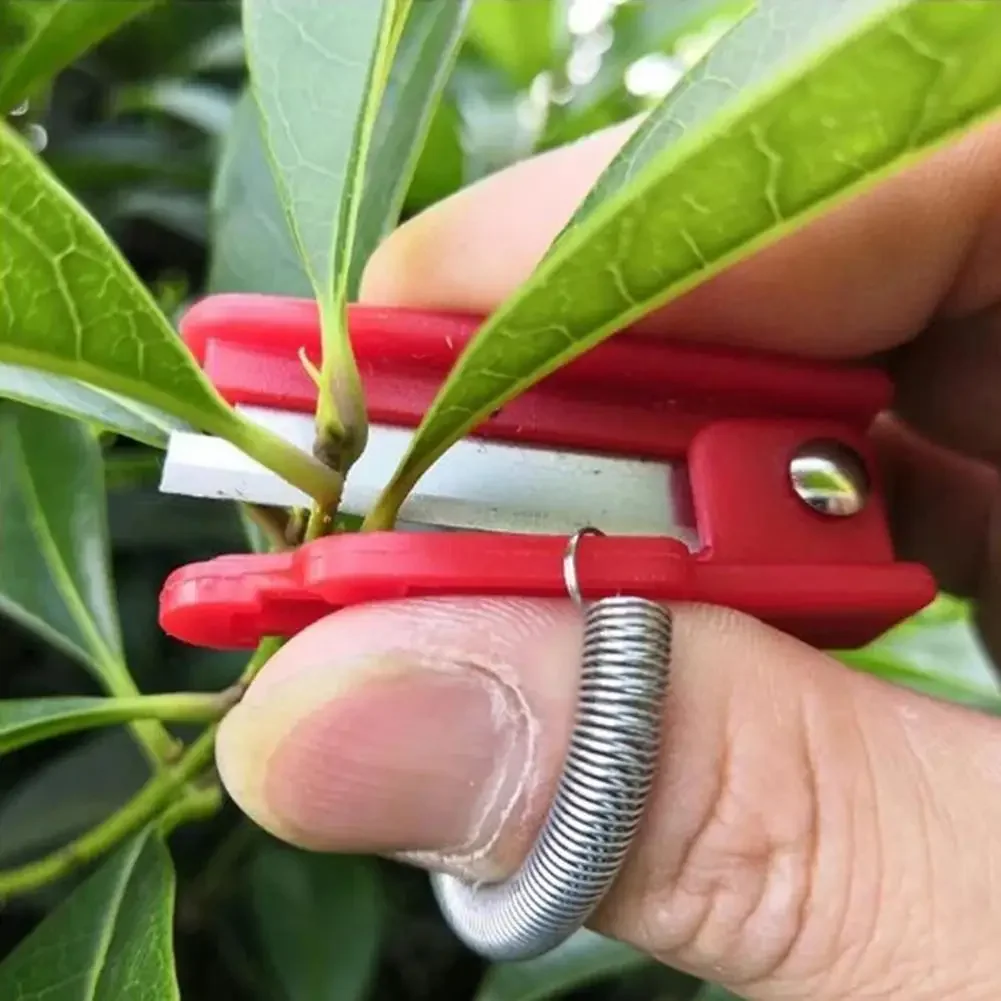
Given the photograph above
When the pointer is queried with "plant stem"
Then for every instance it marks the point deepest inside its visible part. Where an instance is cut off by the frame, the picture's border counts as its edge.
(178, 707)
(193, 804)
(142, 808)
(153, 738)
(294, 465)
(266, 649)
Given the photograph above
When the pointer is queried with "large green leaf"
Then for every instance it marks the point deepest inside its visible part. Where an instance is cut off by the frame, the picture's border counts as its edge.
(87, 403)
(26, 721)
(38, 38)
(428, 48)
(252, 248)
(797, 107)
(54, 563)
(70, 305)
(111, 939)
(319, 919)
(318, 72)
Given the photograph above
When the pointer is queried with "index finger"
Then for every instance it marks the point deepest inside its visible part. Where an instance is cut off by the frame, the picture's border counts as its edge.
(861, 279)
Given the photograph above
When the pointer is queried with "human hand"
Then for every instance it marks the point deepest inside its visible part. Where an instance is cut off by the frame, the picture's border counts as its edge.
(814, 832)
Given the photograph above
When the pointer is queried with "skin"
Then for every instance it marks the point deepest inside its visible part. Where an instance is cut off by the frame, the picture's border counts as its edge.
(814, 832)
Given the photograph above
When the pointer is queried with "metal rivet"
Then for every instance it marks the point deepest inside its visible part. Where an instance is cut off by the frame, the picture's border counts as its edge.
(830, 477)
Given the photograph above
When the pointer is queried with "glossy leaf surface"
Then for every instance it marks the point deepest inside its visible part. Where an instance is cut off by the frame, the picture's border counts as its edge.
(111, 939)
(69, 304)
(428, 48)
(798, 106)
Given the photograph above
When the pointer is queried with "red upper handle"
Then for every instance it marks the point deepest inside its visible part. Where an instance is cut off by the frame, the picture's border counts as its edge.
(630, 395)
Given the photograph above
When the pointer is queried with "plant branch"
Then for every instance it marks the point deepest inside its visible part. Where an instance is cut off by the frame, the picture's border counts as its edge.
(159, 746)
(295, 466)
(266, 649)
(195, 803)
(140, 810)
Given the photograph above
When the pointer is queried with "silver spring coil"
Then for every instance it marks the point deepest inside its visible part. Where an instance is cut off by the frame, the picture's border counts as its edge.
(602, 794)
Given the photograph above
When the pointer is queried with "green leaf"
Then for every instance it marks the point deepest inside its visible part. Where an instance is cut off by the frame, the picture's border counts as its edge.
(799, 106)
(428, 48)
(87, 403)
(54, 561)
(318, 71)
(319, 921)
(581, 960)
(68, 795)
(111, 939)
(520, 38)
(937, 684)
(70, 305)
(38, 38)
(252, 248)
(27, 721)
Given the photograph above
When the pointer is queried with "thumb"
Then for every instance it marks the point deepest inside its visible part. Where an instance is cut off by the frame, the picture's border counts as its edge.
(813, 832)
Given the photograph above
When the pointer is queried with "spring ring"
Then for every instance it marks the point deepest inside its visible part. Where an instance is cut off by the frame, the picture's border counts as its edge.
(607, 776)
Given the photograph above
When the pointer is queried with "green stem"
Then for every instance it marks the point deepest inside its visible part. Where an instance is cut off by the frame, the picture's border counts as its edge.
(193, 804)
(156, 742)
(173, 708)
(178, 707)
(140, 810)
(382, 516)
(294, 465)
(266, 649)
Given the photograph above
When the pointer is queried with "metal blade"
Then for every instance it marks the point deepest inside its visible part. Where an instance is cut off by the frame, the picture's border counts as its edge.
(477, 484)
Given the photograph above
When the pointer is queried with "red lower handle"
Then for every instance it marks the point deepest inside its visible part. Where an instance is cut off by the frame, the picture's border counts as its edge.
(233, 601)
